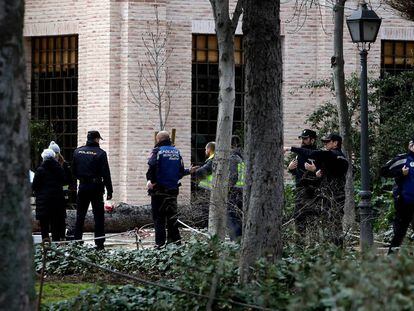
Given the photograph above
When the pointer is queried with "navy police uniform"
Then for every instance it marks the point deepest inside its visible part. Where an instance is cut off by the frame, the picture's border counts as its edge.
(331, 192)
(165, 169)
(305, 212)
(403, 194)
(90, 167)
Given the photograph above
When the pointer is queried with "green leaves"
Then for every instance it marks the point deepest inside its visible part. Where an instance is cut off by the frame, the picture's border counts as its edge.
(391, 117)
(317, 278)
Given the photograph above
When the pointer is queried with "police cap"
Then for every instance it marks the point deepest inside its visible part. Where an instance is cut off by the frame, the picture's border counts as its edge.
(332, 137)
(307, 133)
(93, 135)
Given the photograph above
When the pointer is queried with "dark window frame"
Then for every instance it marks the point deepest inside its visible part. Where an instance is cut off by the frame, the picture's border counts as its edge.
(205, 90)
(394, 67)
(54, 87)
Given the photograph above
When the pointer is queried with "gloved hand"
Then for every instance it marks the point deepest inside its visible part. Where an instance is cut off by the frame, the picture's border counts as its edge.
(109, 196)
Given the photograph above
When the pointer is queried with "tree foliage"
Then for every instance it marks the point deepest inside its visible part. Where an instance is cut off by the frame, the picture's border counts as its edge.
(404, 7)
(391, 117)
(41, 133)
(319, 278)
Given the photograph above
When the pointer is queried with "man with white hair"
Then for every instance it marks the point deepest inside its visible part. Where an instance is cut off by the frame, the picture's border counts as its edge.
(165, 169)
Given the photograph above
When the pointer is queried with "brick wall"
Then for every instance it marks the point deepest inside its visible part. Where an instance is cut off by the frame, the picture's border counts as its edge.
(111, 47)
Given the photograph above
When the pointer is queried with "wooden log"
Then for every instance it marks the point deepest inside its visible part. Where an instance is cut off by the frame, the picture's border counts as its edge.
(124, 217)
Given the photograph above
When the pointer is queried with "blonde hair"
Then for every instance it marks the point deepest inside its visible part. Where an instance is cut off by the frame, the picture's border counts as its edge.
(60, 158)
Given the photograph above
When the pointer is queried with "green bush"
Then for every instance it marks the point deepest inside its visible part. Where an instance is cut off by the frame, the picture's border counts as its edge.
(319, 278)
(391, 117)
(154, 263)
(41, 133)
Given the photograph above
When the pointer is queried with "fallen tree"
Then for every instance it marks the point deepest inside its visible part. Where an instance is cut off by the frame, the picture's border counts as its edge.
(126, 217)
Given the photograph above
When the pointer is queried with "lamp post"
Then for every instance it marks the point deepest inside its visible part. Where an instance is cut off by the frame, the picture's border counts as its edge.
(363, 26)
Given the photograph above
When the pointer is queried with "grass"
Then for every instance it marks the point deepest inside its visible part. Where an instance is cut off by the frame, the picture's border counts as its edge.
(57, 291)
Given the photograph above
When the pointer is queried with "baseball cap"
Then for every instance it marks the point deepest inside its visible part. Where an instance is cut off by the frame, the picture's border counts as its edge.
(93, 135)
(333, 137)
(307, 133)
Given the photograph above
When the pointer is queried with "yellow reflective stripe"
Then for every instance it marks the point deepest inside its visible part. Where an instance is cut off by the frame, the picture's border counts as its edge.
(241, 172)
(207, 182)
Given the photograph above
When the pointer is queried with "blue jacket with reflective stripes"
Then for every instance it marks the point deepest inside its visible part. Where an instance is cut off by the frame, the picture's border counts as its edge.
(404, 184)
(165, 166)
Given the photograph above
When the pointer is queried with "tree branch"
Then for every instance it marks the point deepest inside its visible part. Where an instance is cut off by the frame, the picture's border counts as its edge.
(236, 15)
(405, 8)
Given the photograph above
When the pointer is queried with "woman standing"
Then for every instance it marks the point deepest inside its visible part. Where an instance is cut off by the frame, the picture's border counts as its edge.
(50, 201)
(65, 164)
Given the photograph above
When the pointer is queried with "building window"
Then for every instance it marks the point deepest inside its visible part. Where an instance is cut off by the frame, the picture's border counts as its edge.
(54, 87)
(205, 90)
(396, 56)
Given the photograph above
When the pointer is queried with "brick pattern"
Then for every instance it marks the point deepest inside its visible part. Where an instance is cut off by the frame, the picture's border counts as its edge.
(111, 47)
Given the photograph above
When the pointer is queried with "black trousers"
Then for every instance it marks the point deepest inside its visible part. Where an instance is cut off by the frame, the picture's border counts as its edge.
(403, 216)
(306, 213)
(234, 213)
(89, 194)
(54, 222)
(164, 212)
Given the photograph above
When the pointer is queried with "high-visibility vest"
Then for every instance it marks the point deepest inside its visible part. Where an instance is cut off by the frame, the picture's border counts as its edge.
(241, 173)
(207, 182)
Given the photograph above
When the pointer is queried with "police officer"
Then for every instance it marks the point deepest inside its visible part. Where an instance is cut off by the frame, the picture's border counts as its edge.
(402, 169)
(90, 167)
(236, 184)
(330, 165)
(305, 213)
(165, 169)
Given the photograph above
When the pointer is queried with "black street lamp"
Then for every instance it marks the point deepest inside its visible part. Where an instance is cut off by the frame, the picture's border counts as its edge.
(363, 26)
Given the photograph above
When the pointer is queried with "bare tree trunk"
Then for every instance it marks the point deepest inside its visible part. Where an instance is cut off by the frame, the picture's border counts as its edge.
(16, 268)
(263, 194)
(341, 101)
(225, 28)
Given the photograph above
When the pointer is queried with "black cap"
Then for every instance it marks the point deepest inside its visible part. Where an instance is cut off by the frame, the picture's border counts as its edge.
(333, 137)
(307, 133)
(94, 134)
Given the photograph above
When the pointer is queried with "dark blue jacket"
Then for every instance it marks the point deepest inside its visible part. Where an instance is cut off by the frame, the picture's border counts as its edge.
(333, 163)
(165, 166)
(404, 185)
(302, 159)
(47, 186)
(90, 166)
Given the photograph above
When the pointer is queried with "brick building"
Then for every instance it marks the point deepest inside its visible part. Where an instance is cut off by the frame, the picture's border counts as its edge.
(83, 61)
